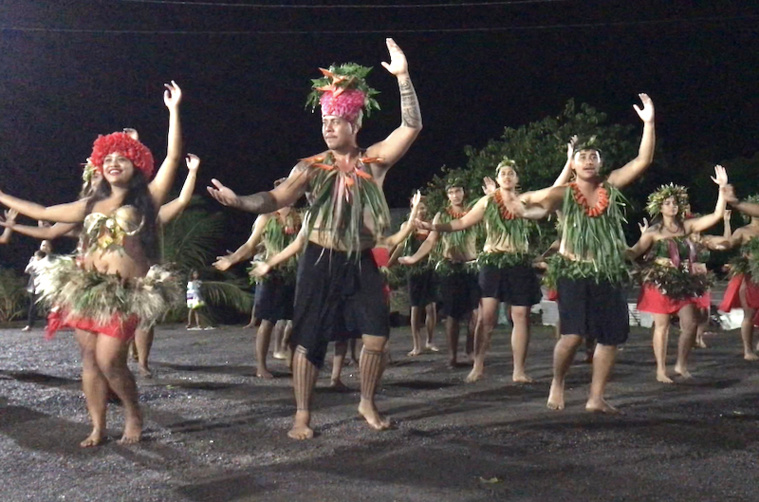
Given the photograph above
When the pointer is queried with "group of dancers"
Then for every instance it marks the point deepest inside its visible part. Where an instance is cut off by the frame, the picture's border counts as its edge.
(321, 267)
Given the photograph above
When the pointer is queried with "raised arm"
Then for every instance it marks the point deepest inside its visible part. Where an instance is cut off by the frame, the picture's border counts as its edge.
(407, 227)
(164, 178)
(173, 209)
(747, 208)
(633, 169)
(426, 248)
(644, 244)
(248, 249)
(707, 221)
(73, 212)
(566, 172)
(395, 146)
(474, 216)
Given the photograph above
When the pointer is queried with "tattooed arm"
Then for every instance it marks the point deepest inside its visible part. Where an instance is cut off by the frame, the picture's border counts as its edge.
(395, 146)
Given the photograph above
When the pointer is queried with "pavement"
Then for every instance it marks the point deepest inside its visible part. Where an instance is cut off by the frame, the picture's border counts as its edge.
(214, 432)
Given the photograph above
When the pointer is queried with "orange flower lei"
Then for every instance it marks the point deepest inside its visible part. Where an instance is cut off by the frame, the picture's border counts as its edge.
(355, 169)
(601, 205)
(505, 213)
(455, 214)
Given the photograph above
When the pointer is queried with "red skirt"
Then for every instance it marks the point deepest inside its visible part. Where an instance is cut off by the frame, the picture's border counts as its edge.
(652, 300)
(732, 298)
(123, 329)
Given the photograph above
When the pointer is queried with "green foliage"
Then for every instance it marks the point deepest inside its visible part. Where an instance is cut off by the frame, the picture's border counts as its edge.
(189, 243)
(540, 151)
(12, 295)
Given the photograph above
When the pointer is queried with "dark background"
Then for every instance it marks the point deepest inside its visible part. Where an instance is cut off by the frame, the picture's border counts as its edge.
(70, 70)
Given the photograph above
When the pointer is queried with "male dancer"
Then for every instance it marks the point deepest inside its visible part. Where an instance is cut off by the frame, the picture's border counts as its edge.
(275, 293)
(339, 285)
(590, 265)
(457, 277)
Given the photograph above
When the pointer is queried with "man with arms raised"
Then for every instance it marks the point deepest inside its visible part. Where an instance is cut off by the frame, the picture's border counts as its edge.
(339, 286)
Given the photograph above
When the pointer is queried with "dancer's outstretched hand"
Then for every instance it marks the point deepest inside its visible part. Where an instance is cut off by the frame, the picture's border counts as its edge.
(10, 218)
(720, 176)
(172, 96)
(646, 114)
(488, 185)
(398, 65)
(423, 225)
(223, 263)
(571, 147)
(193, 162)
(643, 226)
(223, 194)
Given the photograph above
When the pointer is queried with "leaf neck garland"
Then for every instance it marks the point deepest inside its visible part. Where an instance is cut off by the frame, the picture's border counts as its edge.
(458, 242)
(593, 245)
(501, 224)
(340, 199)
(279, 234)
(750, 255)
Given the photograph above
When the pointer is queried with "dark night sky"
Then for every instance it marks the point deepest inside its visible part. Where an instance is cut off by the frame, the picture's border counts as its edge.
(70, 70)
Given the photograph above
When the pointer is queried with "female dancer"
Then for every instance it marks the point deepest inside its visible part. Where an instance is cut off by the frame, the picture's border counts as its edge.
(742, 292)
(91, 178)
(109, 290)
(671, 282)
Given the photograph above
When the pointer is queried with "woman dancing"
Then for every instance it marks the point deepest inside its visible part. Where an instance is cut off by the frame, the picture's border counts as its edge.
(110, 289)
(672, 284)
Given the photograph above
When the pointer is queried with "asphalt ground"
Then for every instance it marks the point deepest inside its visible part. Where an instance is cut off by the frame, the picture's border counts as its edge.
(214, 432)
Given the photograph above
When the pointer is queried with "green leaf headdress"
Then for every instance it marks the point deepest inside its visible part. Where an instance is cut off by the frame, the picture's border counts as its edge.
(656, 199)
(343, 92)
(752, 199)
(590, 143)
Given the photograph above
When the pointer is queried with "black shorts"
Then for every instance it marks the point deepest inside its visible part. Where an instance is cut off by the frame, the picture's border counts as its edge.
(275, 299)
(337, 295)
(421, 288)
(517, 285)
(459, 291)
(593, 310)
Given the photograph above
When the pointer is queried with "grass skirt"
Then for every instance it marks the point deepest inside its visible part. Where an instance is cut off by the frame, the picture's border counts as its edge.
(106, 303)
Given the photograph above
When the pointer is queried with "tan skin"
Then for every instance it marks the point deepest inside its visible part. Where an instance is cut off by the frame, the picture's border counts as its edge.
(340, 138)
(671, 226)
(430, 310)
(738, 238)
(586, 164)
(469, 253)
(104, 358)
(244, 252)
(143, 339)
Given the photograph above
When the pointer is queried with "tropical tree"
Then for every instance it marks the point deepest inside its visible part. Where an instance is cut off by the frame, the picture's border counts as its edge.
(189, 242)
(12, 295)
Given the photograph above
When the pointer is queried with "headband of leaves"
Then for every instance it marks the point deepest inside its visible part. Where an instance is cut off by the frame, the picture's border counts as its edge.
(506, 162)
(656, 199)
(752, 199)
(590, 143)
(338, 78)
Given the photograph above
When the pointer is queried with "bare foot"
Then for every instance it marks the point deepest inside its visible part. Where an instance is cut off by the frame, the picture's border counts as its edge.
(376, 421)
(521, 378)
(132, 429)
(301, 429)
(280, 355)
(264, 373)
(600, 406)
(556, 397)
(95, 438)
(431, 348)
(683, 372)
(663, 378)
(414, 353)
(700, 344)
(751, 356)
(338, 386)
(249, 326)
(145, 372)
(474, 375)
